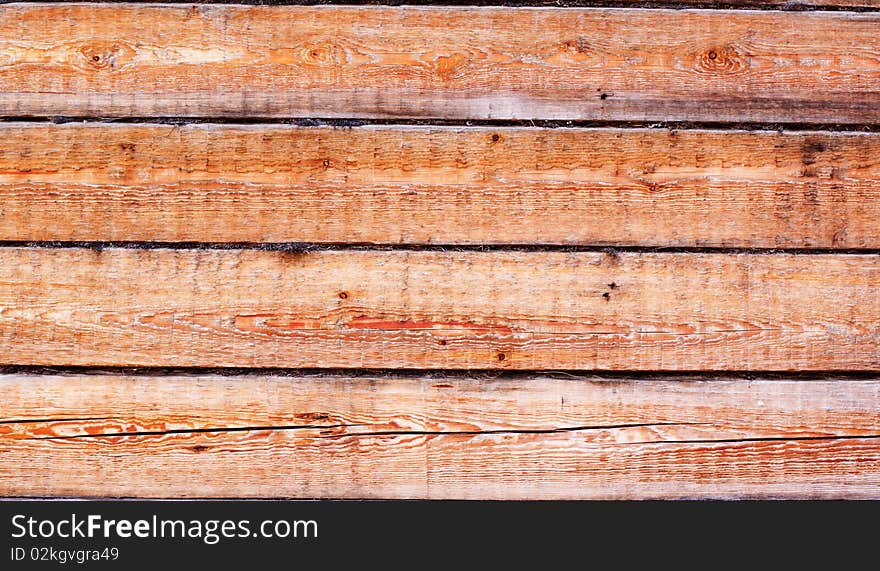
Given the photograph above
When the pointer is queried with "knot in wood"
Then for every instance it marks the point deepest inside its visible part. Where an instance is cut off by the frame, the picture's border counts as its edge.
(322, 54)
(105, 56)
(722, 60)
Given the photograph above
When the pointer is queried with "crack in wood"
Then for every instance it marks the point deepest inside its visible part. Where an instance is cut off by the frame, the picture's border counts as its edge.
(512, 430)
(197, 431)
(373, 433)
(559, 430)
(757, 439)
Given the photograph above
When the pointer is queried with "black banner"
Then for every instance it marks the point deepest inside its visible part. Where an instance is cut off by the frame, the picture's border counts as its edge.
(227, 534)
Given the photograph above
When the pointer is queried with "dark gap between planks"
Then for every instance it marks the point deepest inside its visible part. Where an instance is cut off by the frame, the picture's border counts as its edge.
(351, 123)
(434, 374)
(768, 5)
(313, 247)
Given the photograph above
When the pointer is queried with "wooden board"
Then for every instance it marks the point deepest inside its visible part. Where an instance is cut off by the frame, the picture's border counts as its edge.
(208, 298)
(439, 62)
(437, 437)
(517, 310)
(439, 185)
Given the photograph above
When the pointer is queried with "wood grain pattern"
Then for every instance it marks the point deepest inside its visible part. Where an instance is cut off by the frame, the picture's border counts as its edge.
(439, 185)
(440, 62)
(437, 437)
(375, 309)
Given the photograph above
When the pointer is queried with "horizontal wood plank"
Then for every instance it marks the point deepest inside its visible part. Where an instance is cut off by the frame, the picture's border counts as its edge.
(439, 185)
(516, 310)
(440, 62)
(437, 437)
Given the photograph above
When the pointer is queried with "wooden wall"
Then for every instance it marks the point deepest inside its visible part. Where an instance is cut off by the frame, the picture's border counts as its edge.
(507, 252)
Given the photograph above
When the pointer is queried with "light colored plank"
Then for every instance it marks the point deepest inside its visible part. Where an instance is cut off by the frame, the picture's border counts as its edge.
(457, 63)
(423, 185)
(437, 437)
(517, 310)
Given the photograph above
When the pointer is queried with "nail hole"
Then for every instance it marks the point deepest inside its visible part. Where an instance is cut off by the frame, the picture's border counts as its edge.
(501, 356)
(496, 137)
(343, 295)
(713, 54)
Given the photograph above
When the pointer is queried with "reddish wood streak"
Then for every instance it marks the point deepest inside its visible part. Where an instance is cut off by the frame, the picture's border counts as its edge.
(364, 322)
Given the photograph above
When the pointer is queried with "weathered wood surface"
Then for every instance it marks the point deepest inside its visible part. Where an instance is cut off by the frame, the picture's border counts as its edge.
(517, 310)
(440, 185)
(437, 437)
(439, 62)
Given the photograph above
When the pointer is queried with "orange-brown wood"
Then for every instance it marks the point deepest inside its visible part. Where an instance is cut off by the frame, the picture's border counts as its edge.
(461, 310)
(440, 62)
(518, 185)
(437, 437)
(440, 185)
